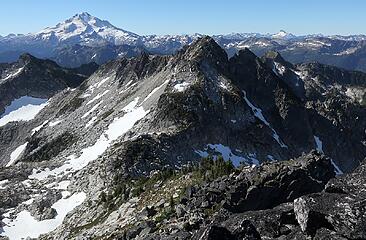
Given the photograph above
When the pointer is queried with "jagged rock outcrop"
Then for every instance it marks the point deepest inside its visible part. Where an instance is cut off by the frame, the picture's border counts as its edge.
(330, 96)
(252, 203)
(340, 208)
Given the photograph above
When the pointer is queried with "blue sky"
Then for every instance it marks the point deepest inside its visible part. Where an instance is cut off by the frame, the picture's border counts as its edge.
(191, 16)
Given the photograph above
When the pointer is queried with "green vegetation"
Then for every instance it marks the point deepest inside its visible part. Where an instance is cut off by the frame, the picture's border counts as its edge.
(210, 169)
(145, 187)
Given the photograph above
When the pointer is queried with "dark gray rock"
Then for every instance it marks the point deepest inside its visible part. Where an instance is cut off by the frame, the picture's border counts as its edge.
(340, 208)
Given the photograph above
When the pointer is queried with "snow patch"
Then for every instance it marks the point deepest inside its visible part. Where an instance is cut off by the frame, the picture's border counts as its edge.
(91, 122)
(22, 109)
(319, 148)
(29, 202)
(63, 185)
(279, 69)
(24, 225)
(13, 74)
(318, 144)
(92, 109)
(181, 87)
(36, 129)
(97, 97)
(16, 153)
(223, 86)
(54, 123)
(102, 82)
(155, 90)
(227, 154)
(258, 113)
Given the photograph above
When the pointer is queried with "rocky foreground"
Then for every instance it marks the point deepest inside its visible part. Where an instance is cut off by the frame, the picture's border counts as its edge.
(296, 199)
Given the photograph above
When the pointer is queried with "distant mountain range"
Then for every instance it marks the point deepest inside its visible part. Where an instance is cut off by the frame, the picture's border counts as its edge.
(85, 38)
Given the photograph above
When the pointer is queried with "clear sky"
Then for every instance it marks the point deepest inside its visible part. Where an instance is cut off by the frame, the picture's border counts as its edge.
(191, 16)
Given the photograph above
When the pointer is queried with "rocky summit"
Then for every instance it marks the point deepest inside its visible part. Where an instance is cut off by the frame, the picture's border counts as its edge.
(194, 145)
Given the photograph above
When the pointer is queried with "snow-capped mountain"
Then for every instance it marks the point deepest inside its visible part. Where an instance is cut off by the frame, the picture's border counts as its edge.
(86, 29)
(283, 35)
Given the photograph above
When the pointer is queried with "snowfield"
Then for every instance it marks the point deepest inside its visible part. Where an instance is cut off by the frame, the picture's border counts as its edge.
(22, 109)
(24, 225)
(16, 153)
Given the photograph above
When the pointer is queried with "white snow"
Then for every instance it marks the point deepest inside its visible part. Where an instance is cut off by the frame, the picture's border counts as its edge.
(85, 95)
(99, 95)
(337, 169)
(16, 153)
(181, 87)
(63, 185)
(22, 109)
(2, 182)
(319, 144)
(86, 29)
(91, 122)
(91, 88)
(24, 225)
(54, 123)
(258, 113)
(102, 81)
(283, 35)
(155, 90)
(13, 74)
(319, 148)
(279, 69)
(223, 85)
(29, 202)
(227, 154)
(92, 109)
(36, 129)
(117, 128)
(128, 83)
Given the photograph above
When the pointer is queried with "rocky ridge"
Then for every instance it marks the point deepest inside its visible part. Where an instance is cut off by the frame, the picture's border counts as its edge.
(94, 147)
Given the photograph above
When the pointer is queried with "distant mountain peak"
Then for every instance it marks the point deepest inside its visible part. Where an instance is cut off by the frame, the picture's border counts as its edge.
(83, 14)
(86, 29)
(282, 34)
